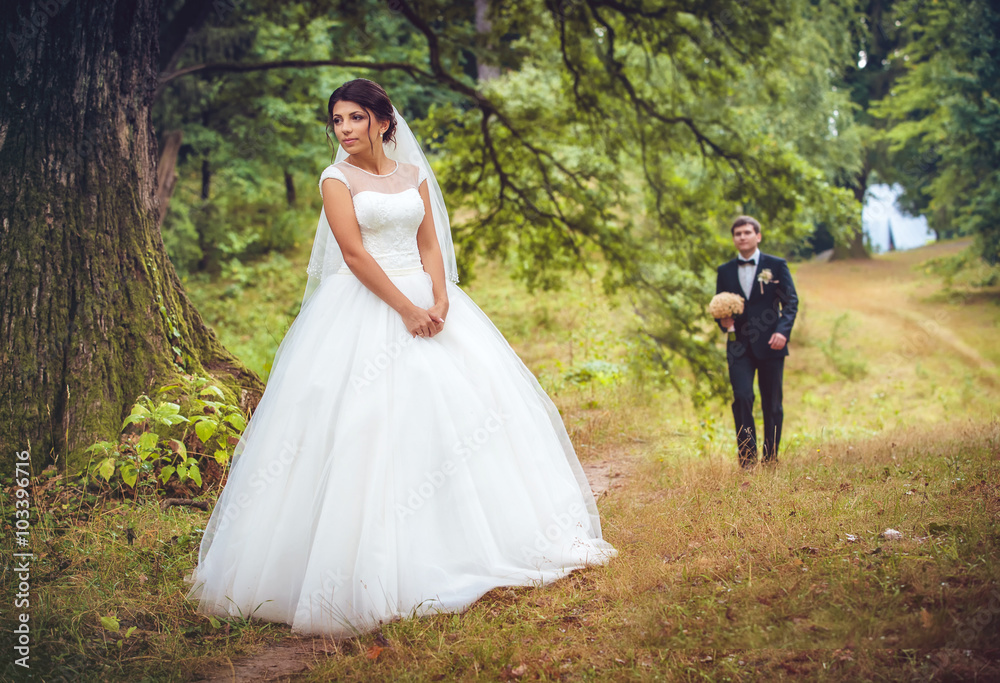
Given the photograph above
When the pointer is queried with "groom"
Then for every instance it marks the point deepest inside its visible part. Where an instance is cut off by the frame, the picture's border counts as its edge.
(761, 337)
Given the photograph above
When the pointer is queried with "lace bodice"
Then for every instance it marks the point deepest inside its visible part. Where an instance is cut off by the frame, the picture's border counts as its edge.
(389, 210)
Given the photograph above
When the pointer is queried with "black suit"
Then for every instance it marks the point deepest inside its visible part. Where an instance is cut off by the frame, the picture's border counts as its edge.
(771, 308)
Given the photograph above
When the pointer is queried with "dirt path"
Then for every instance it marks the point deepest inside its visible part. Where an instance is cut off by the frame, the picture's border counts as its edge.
(283, 661)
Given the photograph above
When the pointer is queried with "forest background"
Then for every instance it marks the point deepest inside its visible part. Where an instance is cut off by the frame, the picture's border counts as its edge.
(614, 137)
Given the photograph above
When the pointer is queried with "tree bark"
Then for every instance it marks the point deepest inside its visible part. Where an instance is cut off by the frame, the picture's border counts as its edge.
(289, 188)
(92, 310)
(855, 247)
(484, 72)
(166, 172)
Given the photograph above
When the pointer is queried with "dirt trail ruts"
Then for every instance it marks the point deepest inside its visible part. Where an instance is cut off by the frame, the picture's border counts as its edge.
(887, 289)
(282, 661)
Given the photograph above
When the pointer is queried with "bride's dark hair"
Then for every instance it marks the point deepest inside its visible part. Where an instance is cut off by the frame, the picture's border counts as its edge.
(372, 97)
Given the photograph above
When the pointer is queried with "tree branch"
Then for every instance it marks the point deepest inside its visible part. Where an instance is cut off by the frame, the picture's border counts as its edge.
(237, 67)
(174, 36)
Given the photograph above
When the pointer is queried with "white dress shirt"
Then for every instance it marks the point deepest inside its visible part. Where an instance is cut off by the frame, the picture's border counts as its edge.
(746, 273)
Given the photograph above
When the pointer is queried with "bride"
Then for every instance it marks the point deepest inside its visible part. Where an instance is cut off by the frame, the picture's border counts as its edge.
(402, 460)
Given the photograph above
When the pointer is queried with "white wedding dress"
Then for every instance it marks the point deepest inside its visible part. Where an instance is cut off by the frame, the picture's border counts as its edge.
(384, 475)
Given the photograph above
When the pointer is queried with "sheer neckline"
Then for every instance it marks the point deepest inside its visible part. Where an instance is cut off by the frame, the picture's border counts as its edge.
(377, 175)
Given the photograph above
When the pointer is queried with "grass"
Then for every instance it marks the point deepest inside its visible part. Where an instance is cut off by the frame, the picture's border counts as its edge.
(722, 575)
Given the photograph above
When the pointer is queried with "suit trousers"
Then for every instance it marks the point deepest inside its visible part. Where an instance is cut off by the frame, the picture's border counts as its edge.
(770, 372)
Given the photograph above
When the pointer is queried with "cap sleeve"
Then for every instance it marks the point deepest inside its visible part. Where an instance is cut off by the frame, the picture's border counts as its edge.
(332, 171)
(421, 175)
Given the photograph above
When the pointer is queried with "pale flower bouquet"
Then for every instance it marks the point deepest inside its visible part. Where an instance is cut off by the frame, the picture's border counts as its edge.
(725, 305)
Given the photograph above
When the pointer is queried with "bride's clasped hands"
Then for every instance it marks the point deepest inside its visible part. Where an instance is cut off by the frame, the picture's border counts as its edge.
(426, 323)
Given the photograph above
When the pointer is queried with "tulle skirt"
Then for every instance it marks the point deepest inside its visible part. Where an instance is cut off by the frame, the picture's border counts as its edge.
(386, 476)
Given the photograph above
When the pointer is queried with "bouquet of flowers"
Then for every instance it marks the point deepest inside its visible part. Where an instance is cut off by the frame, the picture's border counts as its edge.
(725, 305)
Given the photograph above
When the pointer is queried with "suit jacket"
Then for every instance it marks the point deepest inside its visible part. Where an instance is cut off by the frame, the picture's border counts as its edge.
(771, 307)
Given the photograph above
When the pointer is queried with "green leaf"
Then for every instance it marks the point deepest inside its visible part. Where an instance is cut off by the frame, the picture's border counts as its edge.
(205, 429)
(147, 441)
(110, 623)
(195, 474)
(171, 420)
(214, 622)
(129, 473)
(107, 468)
(221, 456)
(166, 408)
(166, 473)
(237, 421)
(104, 446)
(139, 414)
(212, 389)
(181, 448)
(182, 472)
(130, 631)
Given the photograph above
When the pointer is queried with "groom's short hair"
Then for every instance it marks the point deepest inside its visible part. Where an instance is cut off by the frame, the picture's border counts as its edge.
(745, 220)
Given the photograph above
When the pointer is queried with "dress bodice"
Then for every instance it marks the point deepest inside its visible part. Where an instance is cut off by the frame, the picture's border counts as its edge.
(389, 210)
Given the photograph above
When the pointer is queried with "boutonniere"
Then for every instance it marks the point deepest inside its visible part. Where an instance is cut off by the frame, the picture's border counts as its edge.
(765, 277)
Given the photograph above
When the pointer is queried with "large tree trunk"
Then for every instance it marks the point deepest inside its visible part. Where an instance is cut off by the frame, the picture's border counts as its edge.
(289, 188)
(90, 307)
(855, 248)
(485, 72)
(166, 172)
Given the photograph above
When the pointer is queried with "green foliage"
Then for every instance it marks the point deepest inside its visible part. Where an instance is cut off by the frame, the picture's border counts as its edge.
(966, 268)
(165, 431)
(632, 140)
(251, 305)
(595, 371)
(941, 111)
(250, 141)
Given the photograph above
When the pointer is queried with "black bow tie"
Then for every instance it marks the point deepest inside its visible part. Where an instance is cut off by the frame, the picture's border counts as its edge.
(748, 262)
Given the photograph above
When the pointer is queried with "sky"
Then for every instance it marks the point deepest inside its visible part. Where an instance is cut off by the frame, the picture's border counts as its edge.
(880, 210)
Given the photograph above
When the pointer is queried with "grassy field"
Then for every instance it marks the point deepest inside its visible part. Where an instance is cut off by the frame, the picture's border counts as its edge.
(891, 396)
